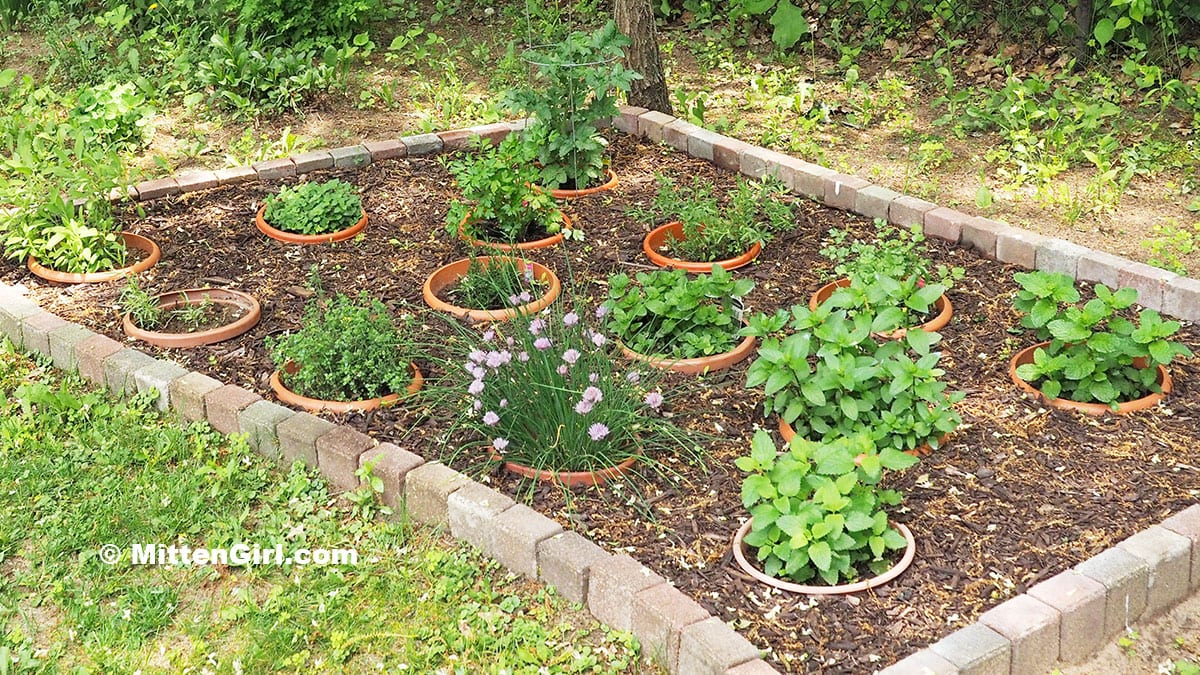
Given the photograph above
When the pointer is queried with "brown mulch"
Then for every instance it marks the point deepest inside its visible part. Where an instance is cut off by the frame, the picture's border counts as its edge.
(1017, 495)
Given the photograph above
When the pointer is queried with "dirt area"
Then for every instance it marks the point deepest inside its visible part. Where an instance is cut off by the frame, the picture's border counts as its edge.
(1017, 494)
(1170, 638)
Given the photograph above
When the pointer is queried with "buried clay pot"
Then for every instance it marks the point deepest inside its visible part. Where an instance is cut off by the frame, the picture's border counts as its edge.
(132, 241)
(292, 238)
(740, 553)
(567, 478)
(251, 312)
(702, 364)
(1124, 408)
(544, 242)
(610, 184)
(924, 450)
(659, 237)
(446, 276)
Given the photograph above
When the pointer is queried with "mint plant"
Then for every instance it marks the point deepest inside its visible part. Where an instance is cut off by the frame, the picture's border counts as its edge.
(891, 280)
(499, 202)
(713, 231)
(669, 314)
(817, 508)
(829, 378)
(1095, 355)
(575, 87)
(347, 349)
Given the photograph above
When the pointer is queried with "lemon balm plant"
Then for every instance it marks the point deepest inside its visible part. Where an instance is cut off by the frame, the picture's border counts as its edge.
(574, 87)
(817, 511)
(547, 392)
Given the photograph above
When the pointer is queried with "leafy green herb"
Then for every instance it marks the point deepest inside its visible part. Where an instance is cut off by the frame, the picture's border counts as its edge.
(193, 315)
(496, 284)
(1093, 349)
(499, 202)
(817, 510)
(314, 208)
(712, 231)
(578, 82)
(142, 307)
(347, 349)
(891, 280)
(829, 378)
(669, 314)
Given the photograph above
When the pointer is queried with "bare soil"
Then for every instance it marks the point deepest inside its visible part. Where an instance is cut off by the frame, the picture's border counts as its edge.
(1016, 495)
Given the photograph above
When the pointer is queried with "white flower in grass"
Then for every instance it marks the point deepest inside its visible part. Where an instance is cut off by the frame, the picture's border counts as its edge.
(598, 431)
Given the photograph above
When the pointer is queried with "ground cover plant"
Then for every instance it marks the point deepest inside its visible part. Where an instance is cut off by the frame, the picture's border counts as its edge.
(75, 463)
(981, 535)
(314, 208)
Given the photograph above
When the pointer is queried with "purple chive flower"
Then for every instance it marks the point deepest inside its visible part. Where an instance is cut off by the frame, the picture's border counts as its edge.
(497, 359)
(514, 300)
(601, 311)
(654, 399)
(593, 394)
(593, 378)
(598, 339)
(633, 377)
(477, 355)
(489, 335)
(523, 357)
(571, 356)
(500, 444)
(477, 405)
(490, 418)
(476, 387)
(542, 343)
(570, 319)
(478, 372)
(509, 341)
(525, 296)
(597, 431)
(536, 326)
(584, 407)
(503, 403)
(563, 369)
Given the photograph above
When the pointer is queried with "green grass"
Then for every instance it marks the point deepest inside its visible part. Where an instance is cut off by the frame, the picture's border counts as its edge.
(79, 470)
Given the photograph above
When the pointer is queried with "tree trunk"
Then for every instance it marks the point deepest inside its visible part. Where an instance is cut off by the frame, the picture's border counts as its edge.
(1083, 26)
(635, 18)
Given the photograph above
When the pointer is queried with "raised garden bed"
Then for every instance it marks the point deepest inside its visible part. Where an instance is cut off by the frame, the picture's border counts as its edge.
(1014, 497)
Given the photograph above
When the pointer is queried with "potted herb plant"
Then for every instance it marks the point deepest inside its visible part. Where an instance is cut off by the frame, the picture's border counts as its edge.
(543, 394)
(819, 519)
(830, 378)
(891, 280)
(703, 232)
(681, 323)
(491, 288)
(1092, 359)
(347, 355)
(313, 213)
(187, 318)
(499, 207)
(74, 243)
(574, 87)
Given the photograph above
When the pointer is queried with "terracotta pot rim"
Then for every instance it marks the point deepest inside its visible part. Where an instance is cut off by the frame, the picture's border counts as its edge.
(446, 275)
(1097, 409)
(699, 364)
(316, 405)
(567, 478)
(610, 184)
(922, 451)
(657, 237)
(938, 322)
(910, 552)
(284, 236)
(545, 242)
(173, 299)
(135, 241)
